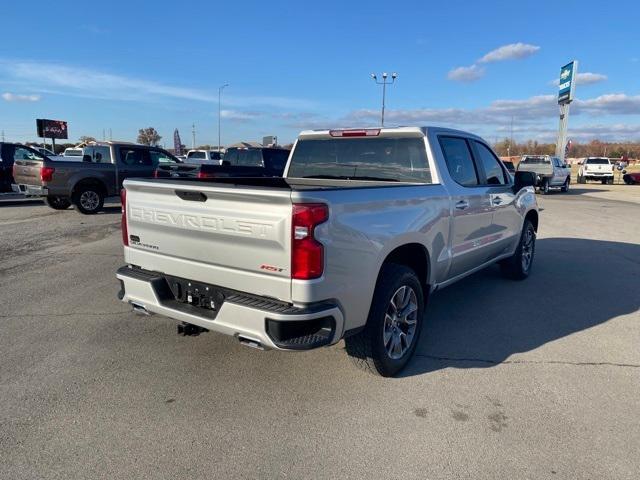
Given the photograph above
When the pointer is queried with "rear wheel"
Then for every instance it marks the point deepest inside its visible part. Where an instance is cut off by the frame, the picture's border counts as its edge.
(89, 199)
(393, 327)
(57, 203)
(545, 187)
(518, 266)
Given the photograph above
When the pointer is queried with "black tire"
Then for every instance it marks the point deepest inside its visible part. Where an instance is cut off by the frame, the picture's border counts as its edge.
(628, 180)
(367, 348)
(545, 187)
(603, 181)
(610, 181)
(89, 199)
(514, 267)
(565, 186)
(57, 203)
(581, 179)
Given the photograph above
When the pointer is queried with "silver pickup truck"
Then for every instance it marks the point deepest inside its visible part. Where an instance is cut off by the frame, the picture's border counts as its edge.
(349, 244)
(551, 172)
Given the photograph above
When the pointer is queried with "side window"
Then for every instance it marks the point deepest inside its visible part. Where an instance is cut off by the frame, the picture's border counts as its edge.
(101, 154)
(231, 157)
(159, 156)
(250, 158)
(22, 153)
(459, 161)
(492, 168)
(135, 157)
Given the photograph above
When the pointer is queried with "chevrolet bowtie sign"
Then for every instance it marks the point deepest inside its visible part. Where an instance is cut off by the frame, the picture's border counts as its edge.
(567, 82)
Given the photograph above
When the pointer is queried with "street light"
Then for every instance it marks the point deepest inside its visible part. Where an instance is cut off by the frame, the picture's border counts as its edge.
(384, 84)
(220, 88)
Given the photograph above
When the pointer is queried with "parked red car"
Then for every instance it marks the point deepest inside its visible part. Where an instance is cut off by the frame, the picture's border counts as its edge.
(631, 178)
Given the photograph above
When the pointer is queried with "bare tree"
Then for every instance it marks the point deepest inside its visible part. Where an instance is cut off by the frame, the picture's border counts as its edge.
(148, 136)
(87, 139)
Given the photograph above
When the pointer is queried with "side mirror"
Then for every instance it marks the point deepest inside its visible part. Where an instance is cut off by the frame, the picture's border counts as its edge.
(524, 179)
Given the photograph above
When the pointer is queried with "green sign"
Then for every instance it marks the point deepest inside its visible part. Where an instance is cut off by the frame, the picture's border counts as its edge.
(567, 82)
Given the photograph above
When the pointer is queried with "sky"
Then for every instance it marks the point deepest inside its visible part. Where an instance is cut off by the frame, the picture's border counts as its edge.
(488, 67)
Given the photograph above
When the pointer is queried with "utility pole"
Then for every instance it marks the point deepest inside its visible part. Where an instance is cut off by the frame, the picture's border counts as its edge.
(3, 136)
(384, 84)
(193, 136)
(220, 88)
(110, 135)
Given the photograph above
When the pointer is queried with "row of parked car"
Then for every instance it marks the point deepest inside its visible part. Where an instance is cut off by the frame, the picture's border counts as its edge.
(103, 166)
(552, 172)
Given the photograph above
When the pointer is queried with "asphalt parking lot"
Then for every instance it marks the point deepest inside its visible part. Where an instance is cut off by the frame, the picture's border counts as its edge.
(538, 379)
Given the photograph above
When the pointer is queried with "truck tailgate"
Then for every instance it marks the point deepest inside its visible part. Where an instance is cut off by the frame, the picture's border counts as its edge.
(27, 172)
(233, 236)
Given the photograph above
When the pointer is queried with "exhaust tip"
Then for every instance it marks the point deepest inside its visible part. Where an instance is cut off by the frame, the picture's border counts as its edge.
(140, 309)
(250, 342)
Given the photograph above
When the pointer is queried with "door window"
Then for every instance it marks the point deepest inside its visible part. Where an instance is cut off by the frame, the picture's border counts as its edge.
(459, 161)
(161, 157)
(23, 153)
(135, 157)
(494, 172)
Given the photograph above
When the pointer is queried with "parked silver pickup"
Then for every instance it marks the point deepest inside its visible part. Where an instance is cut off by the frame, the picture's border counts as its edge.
(363, 227)
(551, 172)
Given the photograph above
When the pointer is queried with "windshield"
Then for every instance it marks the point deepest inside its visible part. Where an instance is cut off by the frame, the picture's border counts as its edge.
(390, 159)
(536, 160)
(597, 161)
(202, 155)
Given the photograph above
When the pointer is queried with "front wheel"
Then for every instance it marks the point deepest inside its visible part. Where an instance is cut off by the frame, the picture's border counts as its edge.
(610, 181)
(565, 185)
(89, 199)
(393, 327)
(518, 266)
(57, 203)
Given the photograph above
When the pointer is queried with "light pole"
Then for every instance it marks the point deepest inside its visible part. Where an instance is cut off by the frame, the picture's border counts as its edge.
(384, 84)
(220, 88)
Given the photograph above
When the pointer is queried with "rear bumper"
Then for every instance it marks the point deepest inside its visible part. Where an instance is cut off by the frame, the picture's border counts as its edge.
(271, 324)
(36, 190)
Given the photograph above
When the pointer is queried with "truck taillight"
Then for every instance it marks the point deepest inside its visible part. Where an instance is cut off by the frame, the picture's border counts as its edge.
(123, 222)
(307, 254)
(205, 175)
(46, 173)
(155, 174)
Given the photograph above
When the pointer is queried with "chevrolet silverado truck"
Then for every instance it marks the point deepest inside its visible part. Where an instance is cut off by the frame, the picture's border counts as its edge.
(238, 162)
(86, 183)
(349, 244)
(596, 168)
(551, 172)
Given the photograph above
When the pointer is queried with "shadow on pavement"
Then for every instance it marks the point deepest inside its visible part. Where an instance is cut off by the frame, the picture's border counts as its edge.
(481, 321)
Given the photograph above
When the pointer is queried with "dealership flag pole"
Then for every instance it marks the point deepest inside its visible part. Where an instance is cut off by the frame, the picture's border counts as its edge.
(566, 91)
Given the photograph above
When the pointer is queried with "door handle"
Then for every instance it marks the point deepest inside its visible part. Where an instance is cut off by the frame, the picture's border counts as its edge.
(497, 200)
(462, 205)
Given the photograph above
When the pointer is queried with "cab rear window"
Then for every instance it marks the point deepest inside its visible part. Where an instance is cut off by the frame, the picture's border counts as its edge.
(392, 159)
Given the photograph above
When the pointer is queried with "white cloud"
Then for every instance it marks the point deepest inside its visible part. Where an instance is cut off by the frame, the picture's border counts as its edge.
(240, 116)
(466, 74)
(513, 51)
(586, 78)
(610, 104)
(90, 83)
(17, 97)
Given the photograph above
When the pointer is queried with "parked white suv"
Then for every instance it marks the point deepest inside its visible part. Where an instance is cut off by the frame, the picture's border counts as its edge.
(596, 168)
